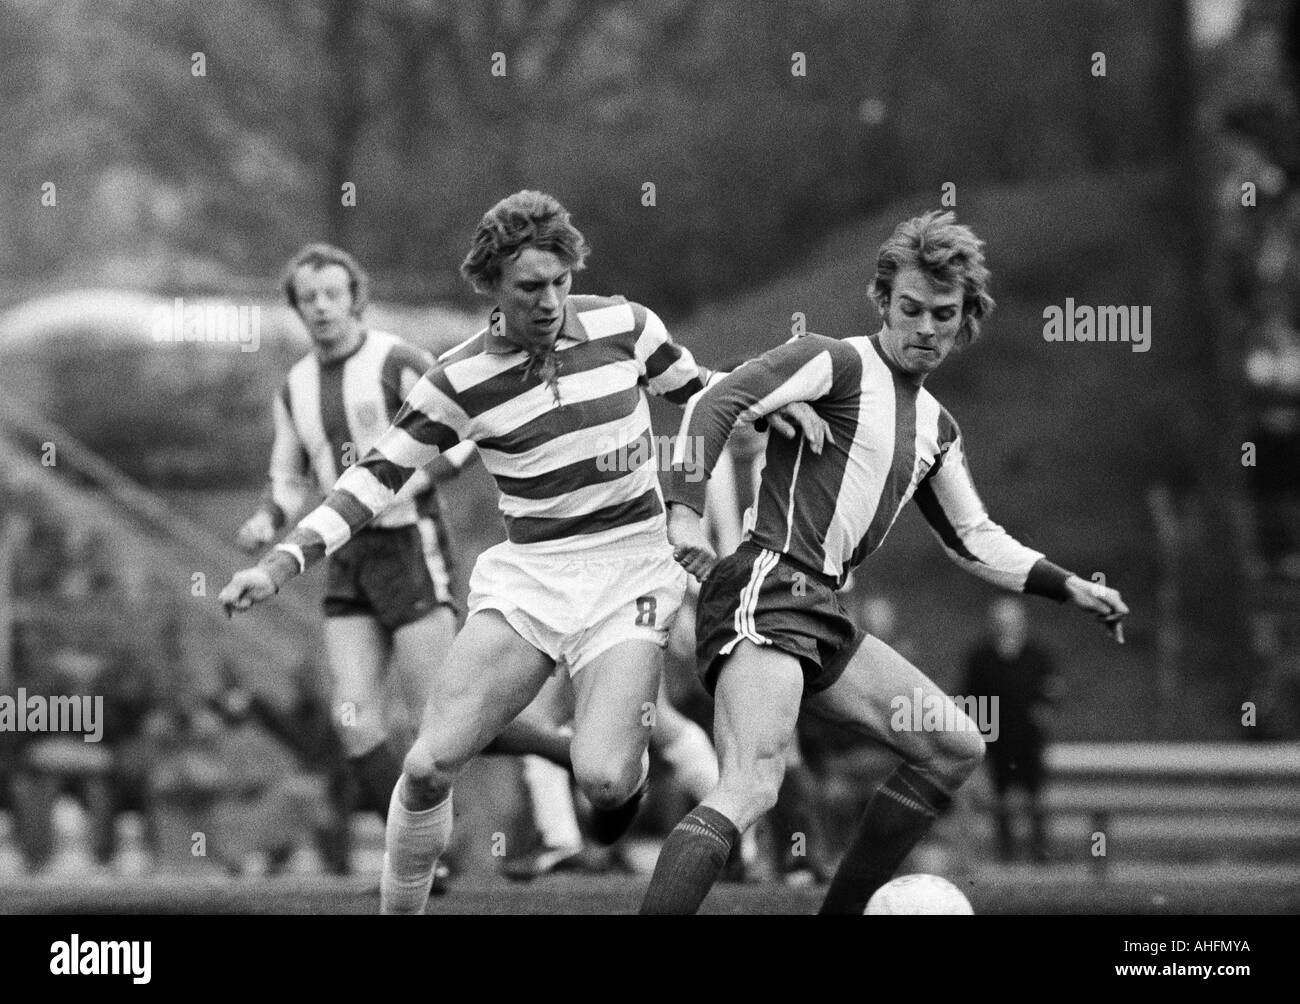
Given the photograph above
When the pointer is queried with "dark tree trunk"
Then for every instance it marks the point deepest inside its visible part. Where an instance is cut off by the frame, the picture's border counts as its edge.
(344, 118)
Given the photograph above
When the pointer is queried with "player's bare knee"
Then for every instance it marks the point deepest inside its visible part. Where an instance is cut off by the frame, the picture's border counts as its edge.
(956, 754)
(607, 785)
(428, 780)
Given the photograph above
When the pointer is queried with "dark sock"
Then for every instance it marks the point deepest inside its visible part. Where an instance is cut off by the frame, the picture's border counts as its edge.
(520, 738)
(898, 815)
(689, 863)
(377, 772)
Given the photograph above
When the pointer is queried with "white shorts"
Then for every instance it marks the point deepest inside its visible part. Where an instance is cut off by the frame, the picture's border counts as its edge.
(577, 605)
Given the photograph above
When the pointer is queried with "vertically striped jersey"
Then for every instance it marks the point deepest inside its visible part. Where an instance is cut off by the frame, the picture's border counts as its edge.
(329, 415)
(569, 454)
(892, 442)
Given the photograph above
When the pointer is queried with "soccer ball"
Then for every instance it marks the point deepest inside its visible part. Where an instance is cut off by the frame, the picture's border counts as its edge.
(913, 895)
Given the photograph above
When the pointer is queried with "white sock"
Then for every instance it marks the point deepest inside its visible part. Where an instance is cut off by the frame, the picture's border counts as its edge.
(692, 759)
(412, 845)
(552, 800)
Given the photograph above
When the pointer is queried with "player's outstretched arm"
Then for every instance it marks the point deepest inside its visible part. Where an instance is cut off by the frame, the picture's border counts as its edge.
(422, 429)
(672, 373)
(793, 374)
(449, 465)
(948, 501)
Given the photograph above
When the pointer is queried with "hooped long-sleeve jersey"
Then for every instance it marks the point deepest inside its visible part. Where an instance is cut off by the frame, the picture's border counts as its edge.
(569, 452)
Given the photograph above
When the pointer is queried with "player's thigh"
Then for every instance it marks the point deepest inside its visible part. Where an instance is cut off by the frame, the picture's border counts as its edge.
(756, 707)
(489, 676)
(418, 650)
(614, 700)
(358, 649)
(882, 696)
(553, 704)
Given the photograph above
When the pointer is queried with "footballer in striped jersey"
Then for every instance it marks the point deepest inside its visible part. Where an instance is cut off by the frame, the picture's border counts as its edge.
(771, 634)
(388, 599)
(552, 391)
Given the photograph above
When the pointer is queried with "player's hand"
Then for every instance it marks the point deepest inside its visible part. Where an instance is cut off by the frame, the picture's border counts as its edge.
(690, 547)
(246, 587)
(1105, 602)
(256, 533)
(800, 417)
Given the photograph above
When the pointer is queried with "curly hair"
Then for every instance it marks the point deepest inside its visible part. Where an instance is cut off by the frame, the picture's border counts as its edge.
(318, 256)
(949, 254)
(527, 218)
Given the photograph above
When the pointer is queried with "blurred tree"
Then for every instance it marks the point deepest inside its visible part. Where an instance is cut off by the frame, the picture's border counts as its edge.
(176, 180)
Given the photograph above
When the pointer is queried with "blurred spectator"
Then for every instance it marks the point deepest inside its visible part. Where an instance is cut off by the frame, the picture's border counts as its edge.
(49, 764)
(1253, 102)
(305, 728)
(1275, 484)
(1019, 673)
(87, 564)
(227, 790)
(1275, 691)
(129, 698)
(879, 617)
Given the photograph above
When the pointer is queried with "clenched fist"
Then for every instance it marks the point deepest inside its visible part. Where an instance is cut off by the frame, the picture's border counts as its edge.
(256, 533)
(247, 587)
(691, 548)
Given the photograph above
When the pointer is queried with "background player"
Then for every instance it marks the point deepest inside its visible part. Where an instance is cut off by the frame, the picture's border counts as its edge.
(388, 599)
(771, 631)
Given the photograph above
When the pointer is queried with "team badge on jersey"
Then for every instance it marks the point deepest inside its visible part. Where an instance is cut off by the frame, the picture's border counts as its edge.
(367, 413)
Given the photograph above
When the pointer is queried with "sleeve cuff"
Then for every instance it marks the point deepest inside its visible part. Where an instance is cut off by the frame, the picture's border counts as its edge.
(282, 564)
(682, 491)
(1046, 579)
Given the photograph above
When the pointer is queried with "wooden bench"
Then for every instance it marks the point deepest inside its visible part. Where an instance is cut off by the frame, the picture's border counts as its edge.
(1233, 799)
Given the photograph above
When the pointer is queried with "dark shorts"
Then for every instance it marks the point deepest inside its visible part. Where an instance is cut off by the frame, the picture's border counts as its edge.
(762, 596)
(394, 575)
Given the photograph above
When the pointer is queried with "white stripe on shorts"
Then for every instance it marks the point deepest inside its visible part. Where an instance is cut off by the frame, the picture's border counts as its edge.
(434, 560)
(744, 616)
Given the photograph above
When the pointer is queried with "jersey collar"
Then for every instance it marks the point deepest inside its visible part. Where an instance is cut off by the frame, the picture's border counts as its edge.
(340, 360)
(911, 379)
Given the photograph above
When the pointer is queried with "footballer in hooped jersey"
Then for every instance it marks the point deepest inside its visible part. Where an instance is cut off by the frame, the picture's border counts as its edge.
(388, 602)
(772, 638)
(586, 578)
